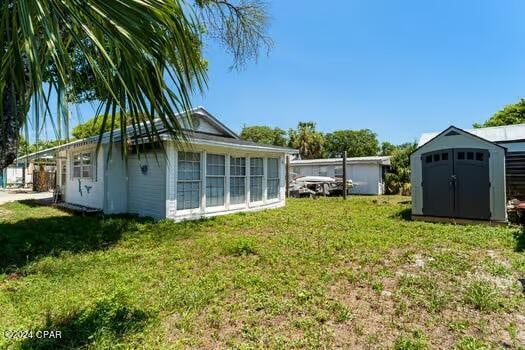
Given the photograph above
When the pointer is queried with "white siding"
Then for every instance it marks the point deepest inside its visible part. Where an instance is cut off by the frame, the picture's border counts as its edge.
(147, 189)
(116, 183)
(87, 192)
(367, 178)
(496, 171)
(14, 175)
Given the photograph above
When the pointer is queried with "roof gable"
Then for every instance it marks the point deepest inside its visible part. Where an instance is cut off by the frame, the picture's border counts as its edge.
(208, 124)
(452, 131)
(507, 133)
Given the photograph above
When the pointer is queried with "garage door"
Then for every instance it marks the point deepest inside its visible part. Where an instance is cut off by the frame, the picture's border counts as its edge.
(456, 183)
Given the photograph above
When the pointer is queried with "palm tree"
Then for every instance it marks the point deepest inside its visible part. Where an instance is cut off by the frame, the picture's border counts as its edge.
(139, 57)
(307, 140)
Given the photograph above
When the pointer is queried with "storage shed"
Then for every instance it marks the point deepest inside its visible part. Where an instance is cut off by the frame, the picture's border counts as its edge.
(468, 174)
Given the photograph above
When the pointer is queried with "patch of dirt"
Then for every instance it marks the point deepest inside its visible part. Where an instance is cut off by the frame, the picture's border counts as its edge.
(4, 213)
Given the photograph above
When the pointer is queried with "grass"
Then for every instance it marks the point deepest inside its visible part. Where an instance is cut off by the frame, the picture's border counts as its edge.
(320, 273)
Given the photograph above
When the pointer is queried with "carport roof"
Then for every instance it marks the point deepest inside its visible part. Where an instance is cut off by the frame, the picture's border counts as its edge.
(381, 160)
(496, 134)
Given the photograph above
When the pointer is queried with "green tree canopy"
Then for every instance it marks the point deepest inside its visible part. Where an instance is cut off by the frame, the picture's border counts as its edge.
(509, 115)
(357, 143)
(387, 148)
(307, 140)
(26, 148)
(264, 134)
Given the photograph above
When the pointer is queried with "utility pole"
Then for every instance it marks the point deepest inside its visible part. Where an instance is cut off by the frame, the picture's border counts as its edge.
(344, 175)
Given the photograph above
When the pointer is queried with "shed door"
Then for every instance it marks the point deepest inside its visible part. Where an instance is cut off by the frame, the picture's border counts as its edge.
(456, 183)
(472, 184)
(438, 195)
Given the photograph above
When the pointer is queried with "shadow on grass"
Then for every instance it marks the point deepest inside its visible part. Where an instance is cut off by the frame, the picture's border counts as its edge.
(405, 214)
(105, 323)
(27, 240)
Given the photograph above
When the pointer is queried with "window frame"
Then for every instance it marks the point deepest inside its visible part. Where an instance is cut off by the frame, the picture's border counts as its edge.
(81, 166)
(260, 177)
(277, 178)
(223, 176)
(198, 180)
(236, 176)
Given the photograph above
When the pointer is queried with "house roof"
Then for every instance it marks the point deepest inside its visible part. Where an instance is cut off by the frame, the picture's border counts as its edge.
(380, 160)
(228, 137)
(496, 134)
(201, 138)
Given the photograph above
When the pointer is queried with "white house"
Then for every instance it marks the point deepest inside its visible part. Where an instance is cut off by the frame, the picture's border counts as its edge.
(367, 173)
(213, 173)
(468, 174)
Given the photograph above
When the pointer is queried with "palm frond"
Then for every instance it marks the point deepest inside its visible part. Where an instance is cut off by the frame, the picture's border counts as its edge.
(143, 57)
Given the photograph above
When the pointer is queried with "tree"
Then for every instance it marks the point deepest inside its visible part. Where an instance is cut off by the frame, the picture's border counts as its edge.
(134, 57)
(357, 143)
(26, 148)
(387, 148)
(264, 134)
(398, 178)
(510, 114)
(307, 140)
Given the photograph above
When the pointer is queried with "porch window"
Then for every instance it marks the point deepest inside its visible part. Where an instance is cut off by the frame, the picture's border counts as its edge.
(237, 180)
(256, 179)
(188, 180)
(215, 174)
(82, 165)
(273, 177)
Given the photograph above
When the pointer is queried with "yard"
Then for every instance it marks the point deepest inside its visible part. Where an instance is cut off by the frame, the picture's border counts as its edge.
(321, 273)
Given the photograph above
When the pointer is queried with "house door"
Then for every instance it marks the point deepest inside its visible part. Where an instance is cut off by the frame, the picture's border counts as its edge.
(456, 183)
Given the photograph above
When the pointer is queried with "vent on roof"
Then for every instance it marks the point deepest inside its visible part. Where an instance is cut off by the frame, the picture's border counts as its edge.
(452, 133)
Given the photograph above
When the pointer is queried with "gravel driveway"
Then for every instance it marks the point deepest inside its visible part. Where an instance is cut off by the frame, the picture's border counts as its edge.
(19, 195)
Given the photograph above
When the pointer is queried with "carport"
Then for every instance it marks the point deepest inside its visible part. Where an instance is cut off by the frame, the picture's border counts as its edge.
(458, 175)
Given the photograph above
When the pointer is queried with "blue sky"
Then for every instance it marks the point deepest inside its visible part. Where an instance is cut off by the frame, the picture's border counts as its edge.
(399, 68)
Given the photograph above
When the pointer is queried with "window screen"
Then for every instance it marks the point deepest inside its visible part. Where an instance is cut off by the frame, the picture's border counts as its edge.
(256, 179)
(82, 165)
(273, 177)
(215, 174)
(237, 180)
(188, 180)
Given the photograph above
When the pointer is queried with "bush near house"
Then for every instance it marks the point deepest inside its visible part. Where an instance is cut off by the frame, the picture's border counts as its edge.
(397, 180)
(322, 273)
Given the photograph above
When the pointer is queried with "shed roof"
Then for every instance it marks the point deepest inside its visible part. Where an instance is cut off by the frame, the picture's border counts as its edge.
(497, 134)
(380, 160)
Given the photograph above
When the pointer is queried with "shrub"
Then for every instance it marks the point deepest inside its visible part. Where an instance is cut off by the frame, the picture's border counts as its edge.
(483, 296)
(241, 246)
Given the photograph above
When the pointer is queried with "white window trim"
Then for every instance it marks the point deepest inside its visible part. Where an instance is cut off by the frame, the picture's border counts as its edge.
(193, 211)
(263, 176)
(223, 207)
(92, 165)
(278, 178)
(237, 206)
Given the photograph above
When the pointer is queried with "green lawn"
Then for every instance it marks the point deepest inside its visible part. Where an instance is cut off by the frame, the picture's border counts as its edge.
(323, 273)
